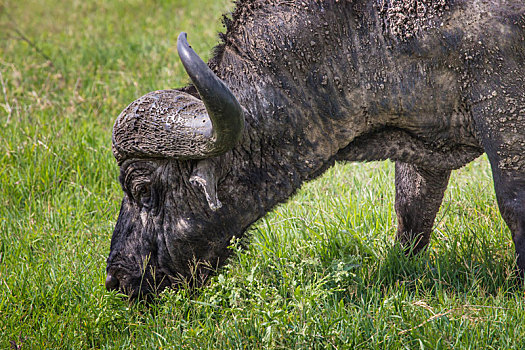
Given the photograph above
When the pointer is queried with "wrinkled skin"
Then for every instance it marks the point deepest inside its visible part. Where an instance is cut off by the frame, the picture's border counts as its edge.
(336, 81)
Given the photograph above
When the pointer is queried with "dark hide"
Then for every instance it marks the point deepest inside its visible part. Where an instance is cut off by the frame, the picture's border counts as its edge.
(429, 84)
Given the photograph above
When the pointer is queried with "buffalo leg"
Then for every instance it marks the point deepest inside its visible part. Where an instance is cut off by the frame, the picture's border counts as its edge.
(419, 193)
(500, 121)
(510, 193)
(508, 172)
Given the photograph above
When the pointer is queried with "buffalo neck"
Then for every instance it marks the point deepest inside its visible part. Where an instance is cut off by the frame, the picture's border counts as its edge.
(290, 137)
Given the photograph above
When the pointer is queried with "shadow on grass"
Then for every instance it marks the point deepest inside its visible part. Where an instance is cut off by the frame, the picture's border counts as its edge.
(463, 265)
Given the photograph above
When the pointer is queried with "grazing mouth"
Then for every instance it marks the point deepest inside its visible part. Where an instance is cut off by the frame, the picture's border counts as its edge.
(149, 284)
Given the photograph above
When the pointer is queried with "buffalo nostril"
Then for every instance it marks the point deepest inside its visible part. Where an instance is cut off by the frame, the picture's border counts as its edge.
(111, 282)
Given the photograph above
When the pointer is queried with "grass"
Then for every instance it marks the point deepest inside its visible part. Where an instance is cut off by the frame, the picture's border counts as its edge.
(320, 272)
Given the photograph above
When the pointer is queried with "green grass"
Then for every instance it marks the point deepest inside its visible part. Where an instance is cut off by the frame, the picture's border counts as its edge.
(321, 271)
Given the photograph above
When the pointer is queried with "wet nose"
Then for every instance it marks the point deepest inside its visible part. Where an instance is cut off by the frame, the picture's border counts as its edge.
(111, 282)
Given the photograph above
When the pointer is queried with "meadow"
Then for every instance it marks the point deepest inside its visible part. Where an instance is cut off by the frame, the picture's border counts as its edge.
(319, 272)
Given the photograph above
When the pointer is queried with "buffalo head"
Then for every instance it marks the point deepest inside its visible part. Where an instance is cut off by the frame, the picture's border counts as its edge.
(167, 144)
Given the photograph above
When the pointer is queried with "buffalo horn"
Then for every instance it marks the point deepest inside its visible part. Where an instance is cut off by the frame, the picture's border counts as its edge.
(223, 108)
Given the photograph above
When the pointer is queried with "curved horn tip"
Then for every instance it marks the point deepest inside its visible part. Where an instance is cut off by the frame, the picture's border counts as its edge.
(182, 36)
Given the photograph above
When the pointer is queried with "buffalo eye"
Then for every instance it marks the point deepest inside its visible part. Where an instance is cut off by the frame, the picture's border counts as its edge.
(138, 182)
(142, 194)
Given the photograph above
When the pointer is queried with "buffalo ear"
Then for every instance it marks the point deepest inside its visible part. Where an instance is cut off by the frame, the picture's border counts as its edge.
(204, 175)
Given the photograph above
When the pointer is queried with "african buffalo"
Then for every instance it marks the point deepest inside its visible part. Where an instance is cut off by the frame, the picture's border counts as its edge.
(295, 86)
